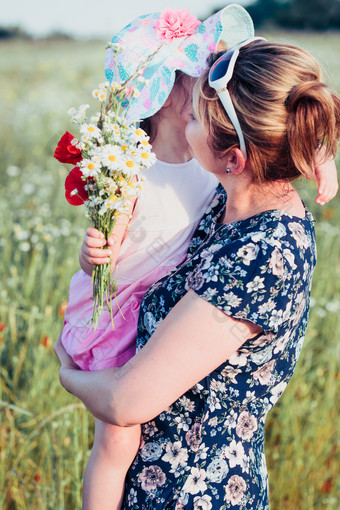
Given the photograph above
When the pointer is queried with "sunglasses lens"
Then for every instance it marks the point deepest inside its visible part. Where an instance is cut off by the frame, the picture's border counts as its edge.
(219, 69)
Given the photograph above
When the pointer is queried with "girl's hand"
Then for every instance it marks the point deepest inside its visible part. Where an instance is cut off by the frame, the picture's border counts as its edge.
(326, 176)
(95, 249)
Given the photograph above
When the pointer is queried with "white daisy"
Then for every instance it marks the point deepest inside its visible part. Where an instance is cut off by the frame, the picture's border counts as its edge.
(146, 158)
(111, 156)
(91, 130)
(138, 134)
(115, 87)
(90, 167)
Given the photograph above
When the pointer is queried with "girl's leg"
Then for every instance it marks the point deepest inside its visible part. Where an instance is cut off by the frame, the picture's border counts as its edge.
(114, 449)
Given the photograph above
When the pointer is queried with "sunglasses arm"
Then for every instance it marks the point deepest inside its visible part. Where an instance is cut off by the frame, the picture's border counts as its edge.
(225, 99)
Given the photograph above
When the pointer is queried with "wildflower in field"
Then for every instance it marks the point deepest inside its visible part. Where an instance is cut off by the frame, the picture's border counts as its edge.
(13, 171)
(28, 188)
(46, 342)
(327, 486)
(2, 326)
(62, 309)
(37, 477)
(20, 233)
(24, 246)
(48, 311)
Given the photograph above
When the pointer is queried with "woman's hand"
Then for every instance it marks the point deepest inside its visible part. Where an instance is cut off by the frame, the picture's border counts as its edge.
(65, 360)
(93, 388)
(326, 176)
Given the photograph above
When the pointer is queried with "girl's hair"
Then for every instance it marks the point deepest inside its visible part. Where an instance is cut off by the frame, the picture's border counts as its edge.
(149, 125)
(284, 110)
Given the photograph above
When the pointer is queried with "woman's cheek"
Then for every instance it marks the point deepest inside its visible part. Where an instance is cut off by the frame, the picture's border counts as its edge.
(198, 144)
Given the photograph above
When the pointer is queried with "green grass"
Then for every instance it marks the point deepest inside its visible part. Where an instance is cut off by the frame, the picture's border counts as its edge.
(46, 434)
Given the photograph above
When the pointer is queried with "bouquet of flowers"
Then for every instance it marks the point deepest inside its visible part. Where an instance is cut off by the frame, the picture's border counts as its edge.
(108, 155)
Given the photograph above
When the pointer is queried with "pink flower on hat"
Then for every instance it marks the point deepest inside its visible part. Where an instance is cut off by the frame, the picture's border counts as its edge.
(175, 23)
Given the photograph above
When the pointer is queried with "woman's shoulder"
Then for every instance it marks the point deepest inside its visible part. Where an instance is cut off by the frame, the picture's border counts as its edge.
(275, 238)
(253, 270)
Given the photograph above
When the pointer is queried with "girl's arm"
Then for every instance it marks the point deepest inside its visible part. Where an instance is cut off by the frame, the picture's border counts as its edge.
(182, 351)
(326, 176)
(96, 250)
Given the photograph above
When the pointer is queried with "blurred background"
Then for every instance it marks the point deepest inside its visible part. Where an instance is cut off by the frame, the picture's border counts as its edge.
(76, 18)
(51, 58)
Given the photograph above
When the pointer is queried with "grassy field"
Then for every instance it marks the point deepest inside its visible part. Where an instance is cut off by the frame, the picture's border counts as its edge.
(45, 434)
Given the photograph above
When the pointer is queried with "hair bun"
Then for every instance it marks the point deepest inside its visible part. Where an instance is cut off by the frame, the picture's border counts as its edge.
(313, 120)
(307, 93)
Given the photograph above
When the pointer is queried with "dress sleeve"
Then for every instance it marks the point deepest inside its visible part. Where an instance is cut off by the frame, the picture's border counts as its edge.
(247, 281)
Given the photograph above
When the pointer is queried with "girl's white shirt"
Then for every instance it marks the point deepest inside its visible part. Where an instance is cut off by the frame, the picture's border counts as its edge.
(173, 200)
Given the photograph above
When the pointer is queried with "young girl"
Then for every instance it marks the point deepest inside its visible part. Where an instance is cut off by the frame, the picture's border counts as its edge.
(175, 195)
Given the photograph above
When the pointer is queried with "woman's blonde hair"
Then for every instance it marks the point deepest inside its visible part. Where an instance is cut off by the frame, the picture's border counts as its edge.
(284, 109)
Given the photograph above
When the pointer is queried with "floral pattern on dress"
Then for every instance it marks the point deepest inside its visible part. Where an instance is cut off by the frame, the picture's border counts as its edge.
(206, 450)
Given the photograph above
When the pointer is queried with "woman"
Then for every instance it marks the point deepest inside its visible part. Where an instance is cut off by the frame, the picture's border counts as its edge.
(220, 335)
(164, 219)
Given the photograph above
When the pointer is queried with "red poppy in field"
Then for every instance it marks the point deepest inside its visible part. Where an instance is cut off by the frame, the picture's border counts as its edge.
(75, 191)
(66, 152)
(327, 486)
(37, 477)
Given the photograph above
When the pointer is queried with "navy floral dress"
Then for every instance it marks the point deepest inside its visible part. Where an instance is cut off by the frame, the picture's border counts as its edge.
(206, 451)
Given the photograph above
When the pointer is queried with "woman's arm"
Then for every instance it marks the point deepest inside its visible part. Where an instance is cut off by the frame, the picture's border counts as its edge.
(193, 340)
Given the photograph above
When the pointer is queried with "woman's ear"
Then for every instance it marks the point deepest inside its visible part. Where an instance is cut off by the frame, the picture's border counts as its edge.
(235, 161)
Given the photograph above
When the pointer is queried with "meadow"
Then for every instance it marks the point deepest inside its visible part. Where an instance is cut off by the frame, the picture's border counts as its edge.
(45, 433)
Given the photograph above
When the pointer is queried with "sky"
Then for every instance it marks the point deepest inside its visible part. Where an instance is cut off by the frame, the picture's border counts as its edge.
(96, 18)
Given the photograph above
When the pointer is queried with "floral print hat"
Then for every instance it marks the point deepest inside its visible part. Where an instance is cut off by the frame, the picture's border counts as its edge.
(171, 40)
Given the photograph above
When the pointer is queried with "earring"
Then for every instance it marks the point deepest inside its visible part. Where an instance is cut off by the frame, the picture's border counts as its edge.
(227, 171)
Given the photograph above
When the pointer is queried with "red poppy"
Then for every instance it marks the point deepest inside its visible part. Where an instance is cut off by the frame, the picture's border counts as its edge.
(74, 182)
(66, 152)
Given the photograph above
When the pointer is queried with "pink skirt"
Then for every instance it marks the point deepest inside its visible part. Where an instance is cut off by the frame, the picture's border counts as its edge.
(106, 347)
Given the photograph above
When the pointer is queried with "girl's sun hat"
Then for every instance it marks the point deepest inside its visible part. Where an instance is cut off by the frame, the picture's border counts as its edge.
(171, 40)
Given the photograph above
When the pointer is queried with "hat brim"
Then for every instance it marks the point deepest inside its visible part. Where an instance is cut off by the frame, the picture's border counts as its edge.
(230, 26)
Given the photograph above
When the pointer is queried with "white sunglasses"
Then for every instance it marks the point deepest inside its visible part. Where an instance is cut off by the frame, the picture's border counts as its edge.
(219, 76)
